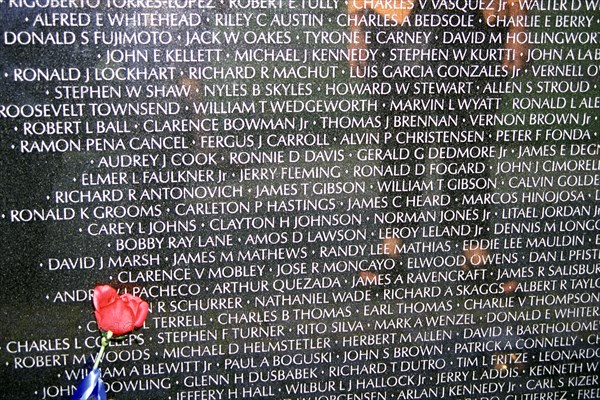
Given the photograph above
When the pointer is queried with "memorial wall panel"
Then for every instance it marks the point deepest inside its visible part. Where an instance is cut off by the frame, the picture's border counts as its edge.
(318, 199)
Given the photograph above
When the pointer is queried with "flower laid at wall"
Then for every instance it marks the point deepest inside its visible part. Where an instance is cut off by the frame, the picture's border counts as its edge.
(117, 315)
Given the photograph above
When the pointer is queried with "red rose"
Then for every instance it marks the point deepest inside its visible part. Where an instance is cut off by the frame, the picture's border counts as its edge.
(118, 314)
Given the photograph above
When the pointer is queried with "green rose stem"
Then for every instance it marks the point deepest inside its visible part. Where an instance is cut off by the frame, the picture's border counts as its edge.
(104, 344)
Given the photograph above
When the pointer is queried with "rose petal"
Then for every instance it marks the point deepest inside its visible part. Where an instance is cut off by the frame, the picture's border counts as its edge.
(131, 302)
(139, 308)
(141, 314)
(127, 297)
(103, 296)
(117, 318)
(99, 319)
